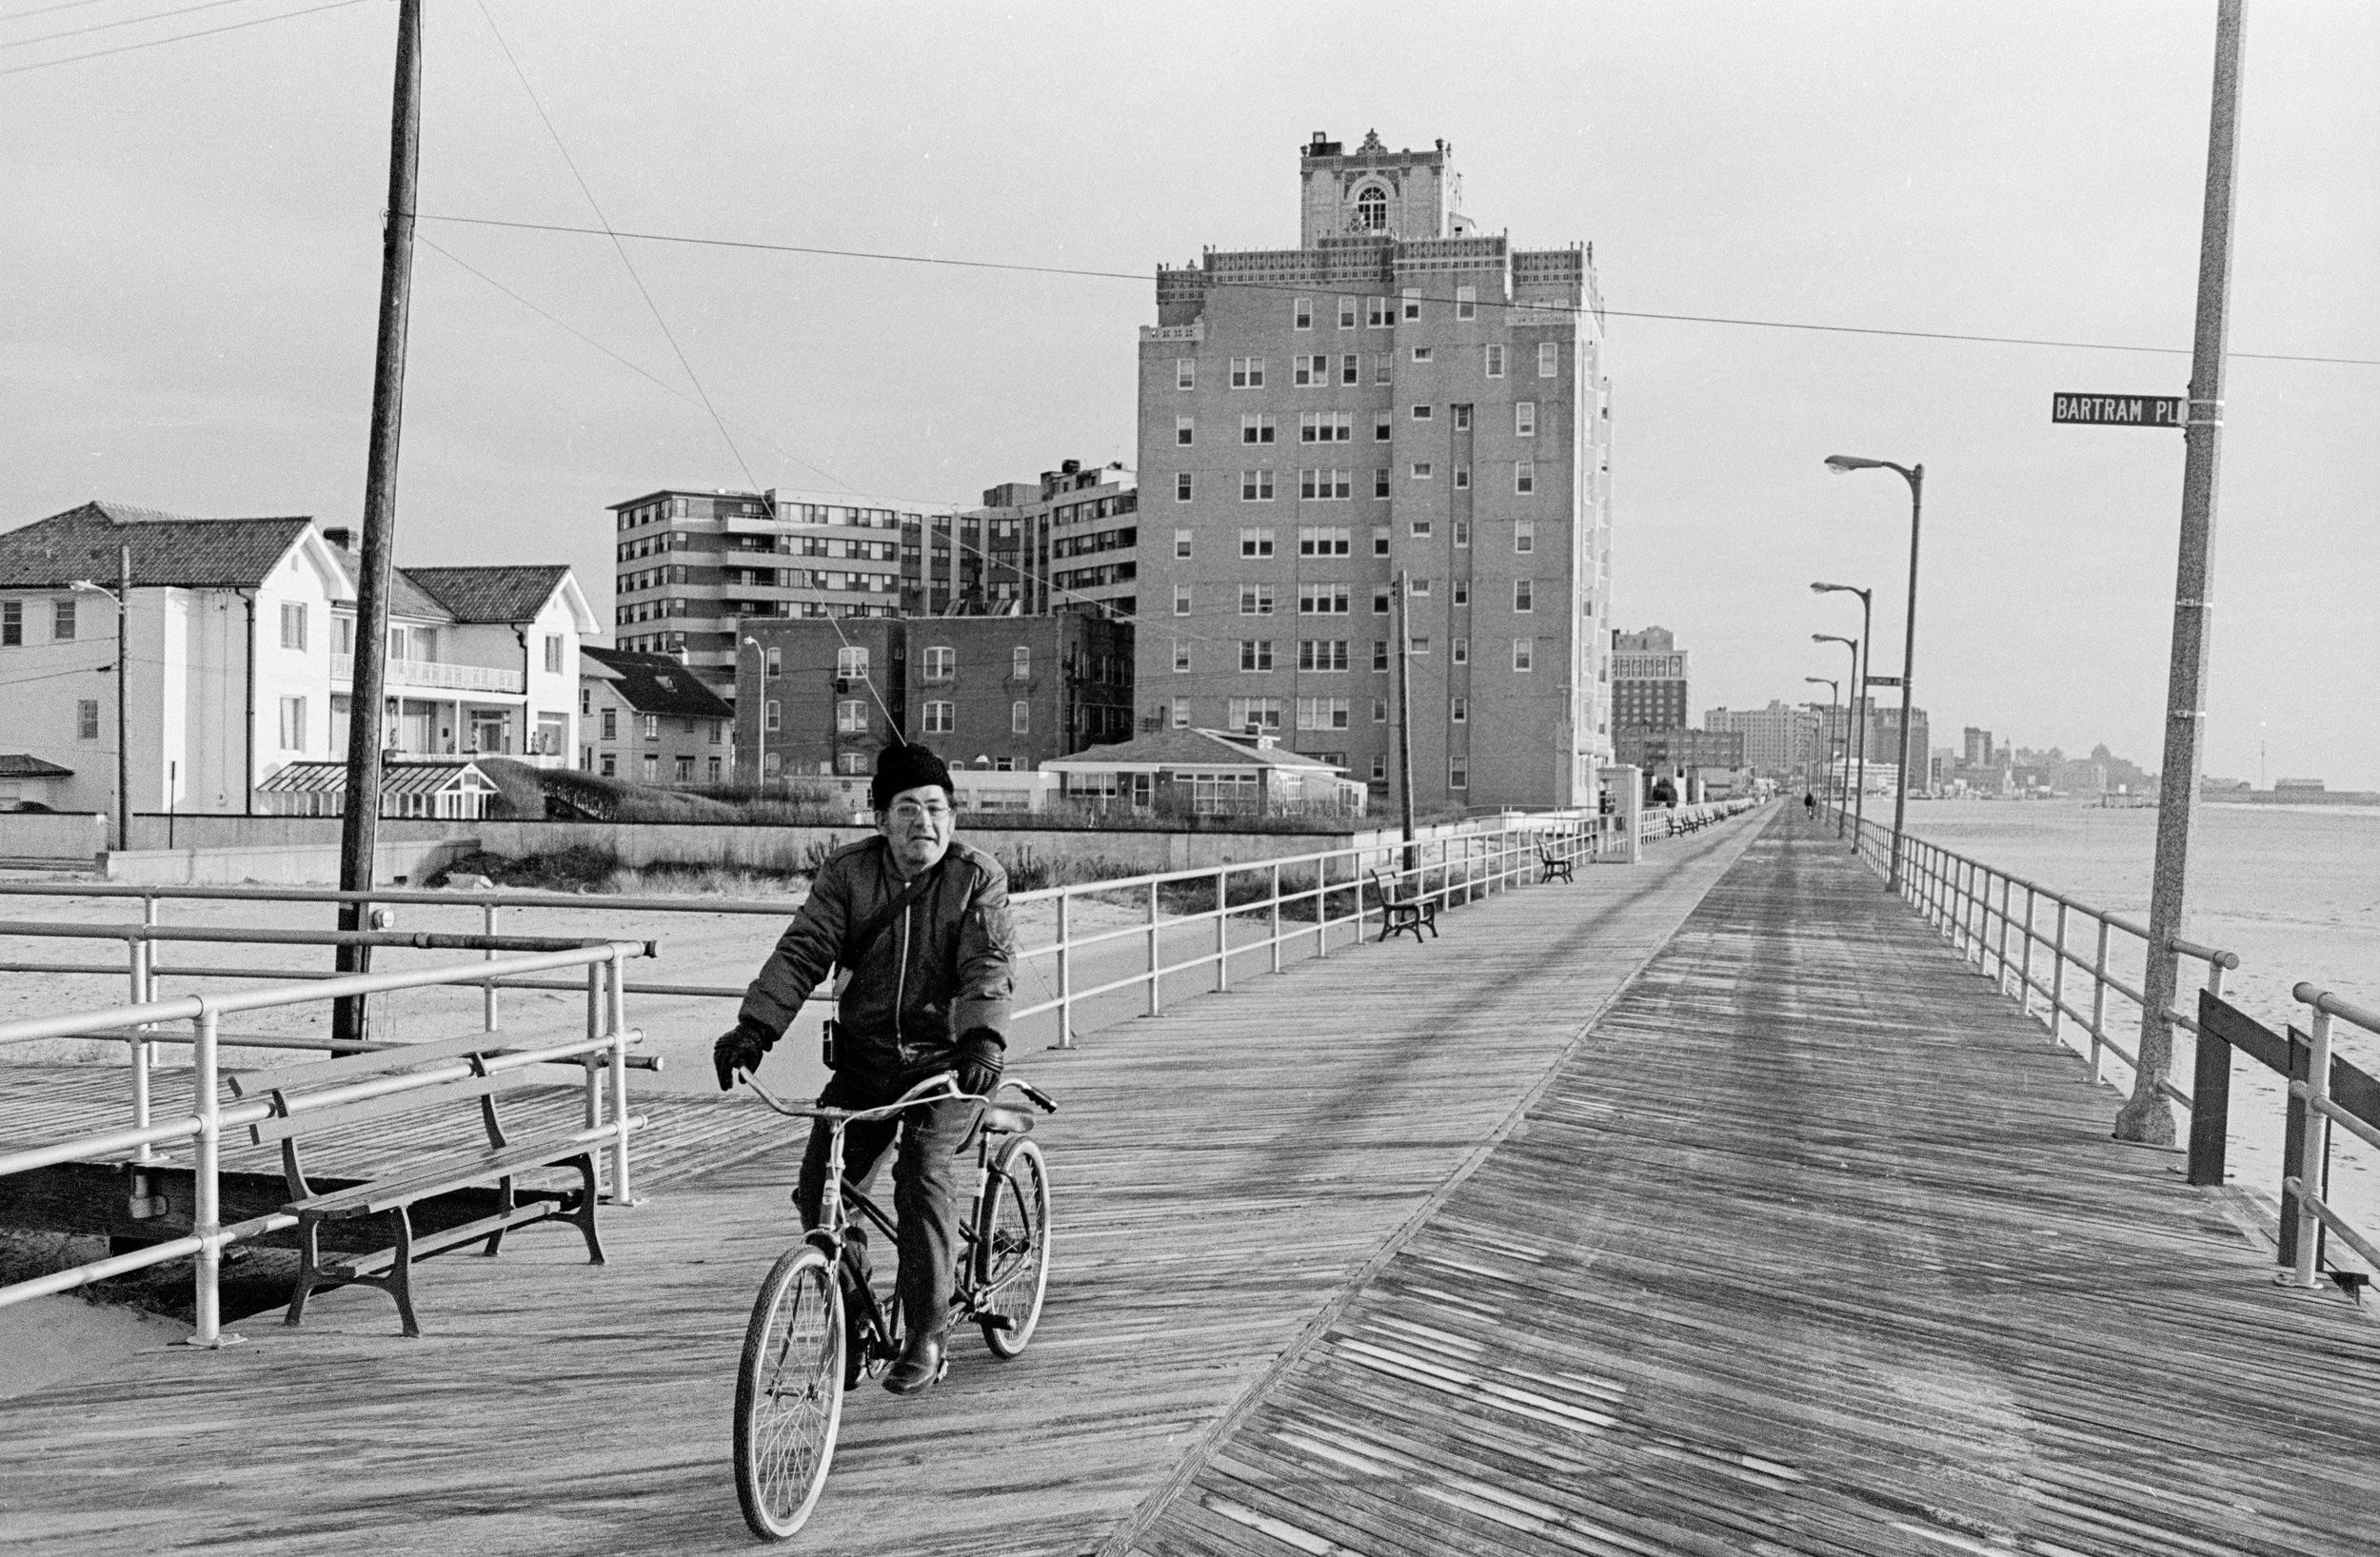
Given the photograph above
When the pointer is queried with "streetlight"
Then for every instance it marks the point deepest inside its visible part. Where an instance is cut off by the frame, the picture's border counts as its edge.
(1856, 712)
(1834, 695)
(1843, 465)
(121, 594)
(1858, 693)
(760, 714)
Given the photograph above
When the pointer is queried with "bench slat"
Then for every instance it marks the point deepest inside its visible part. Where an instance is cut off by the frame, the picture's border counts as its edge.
(355, 1067)
(437, 1178)
(309, 1122)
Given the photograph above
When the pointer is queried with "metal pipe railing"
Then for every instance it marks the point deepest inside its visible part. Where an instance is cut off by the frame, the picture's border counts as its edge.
(2314, 1212)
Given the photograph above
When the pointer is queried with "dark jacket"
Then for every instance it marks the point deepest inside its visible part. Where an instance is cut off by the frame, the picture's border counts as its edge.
(943, 967)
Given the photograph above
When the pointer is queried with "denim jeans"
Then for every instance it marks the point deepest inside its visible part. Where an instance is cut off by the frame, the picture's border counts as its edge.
(925, 1185)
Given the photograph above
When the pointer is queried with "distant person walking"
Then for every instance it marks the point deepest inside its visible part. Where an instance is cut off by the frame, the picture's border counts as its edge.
(1810, 805)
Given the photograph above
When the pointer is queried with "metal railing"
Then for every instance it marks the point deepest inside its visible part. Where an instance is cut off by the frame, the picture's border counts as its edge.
(607, 1035)
(2313, 1143)
(2065, 966)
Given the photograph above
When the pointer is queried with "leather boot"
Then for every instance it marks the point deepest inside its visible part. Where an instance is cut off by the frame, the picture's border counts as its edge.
(919, 1367)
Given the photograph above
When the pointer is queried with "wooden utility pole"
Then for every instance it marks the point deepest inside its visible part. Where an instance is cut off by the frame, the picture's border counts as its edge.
(2144, 1116)
(124, 672)
(359, 837)
(1404, 710)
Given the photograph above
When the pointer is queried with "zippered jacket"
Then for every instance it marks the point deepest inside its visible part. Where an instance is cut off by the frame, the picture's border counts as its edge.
(943, 966)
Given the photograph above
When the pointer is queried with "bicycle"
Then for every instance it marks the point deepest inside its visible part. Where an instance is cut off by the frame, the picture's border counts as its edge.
(817, 1329)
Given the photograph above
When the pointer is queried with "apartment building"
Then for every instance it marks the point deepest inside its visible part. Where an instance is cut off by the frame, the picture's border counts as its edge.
(241, 635)
(649, 719)
(1781, 742)
(1648, 681)
(1400, 396)
(1000, 692)
(1068, 542)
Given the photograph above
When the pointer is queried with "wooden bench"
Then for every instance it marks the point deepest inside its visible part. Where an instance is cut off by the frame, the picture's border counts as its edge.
(1400, 913)
(311, 1100)
(1554, 862)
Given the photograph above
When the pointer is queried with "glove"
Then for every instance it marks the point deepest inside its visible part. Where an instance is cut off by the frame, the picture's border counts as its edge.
(980, 1061)
(741, 1047)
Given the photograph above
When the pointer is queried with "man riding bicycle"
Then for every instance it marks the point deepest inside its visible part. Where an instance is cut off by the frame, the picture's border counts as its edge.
(919, 925)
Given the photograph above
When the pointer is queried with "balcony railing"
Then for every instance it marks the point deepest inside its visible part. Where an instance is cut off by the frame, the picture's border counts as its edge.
(434, 673)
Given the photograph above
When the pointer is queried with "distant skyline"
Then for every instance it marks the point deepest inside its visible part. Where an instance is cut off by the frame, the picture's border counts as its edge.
(189, 268)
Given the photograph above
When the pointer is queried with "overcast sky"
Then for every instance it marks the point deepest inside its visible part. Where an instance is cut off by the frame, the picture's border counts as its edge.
(189, 256)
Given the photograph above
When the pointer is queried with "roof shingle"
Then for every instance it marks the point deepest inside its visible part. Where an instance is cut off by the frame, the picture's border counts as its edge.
(657, 684)
(167, 549)
(503, 594)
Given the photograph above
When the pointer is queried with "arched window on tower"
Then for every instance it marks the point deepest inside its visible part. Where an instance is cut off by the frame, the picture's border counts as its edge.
(1372, 210)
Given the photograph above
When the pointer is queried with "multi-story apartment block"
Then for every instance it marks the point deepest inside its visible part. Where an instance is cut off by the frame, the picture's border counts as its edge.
(1648, 681)
(1400, 396)
(1000, 692)
(648, 718)
(1069, 543)
(1781, 742)
(1676, 749)
(241, 635)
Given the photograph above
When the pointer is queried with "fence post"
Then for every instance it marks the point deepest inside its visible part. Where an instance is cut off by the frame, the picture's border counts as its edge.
(1275, 933)
(2210, 1103)
(488, 991)
(2024, 968)
(1154, 1002)
(593, 1086)
(1999, 974)
(1065, 975)
(2305, 1176)
(1222, 930)
(2058, 979)
(2099, 996)
(617, 998)
(136, 954)
(207, 1202)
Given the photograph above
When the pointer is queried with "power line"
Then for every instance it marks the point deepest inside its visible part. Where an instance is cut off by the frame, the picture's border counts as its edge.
(1279, 286)
(179, 37)
(43, 11)
(128, 21)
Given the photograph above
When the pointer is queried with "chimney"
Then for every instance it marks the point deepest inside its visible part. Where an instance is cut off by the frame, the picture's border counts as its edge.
(341, 537)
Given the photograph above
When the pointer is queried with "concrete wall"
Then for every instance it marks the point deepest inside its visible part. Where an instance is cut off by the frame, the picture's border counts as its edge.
(153, 831)
(75, 836)
(296, 864)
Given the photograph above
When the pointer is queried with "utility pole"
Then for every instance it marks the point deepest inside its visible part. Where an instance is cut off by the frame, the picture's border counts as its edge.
(124, 671)
(360, 835)
(1404, 710)
(2144, 1116)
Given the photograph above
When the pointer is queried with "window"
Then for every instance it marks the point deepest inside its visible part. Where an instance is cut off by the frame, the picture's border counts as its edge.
(611, 725)
(1186, 373)
(1325, 485)
(610, 764)
(1346, 313)
(1495, 361)
(1351, 367)
(776, 663)
(1549, 359)
(1256, 486)
(1301, 314)
(683, 770)
(652, 767)
(1256, 542)
(1379, 486)
(1412, 303)
(87, 719)
(651, 723)
(1458, 710)
(1466, 302)
(1256, 600)
(940, 718)
(1383, 426)
(1181, 655)
(1323, 541)
(1384, 367)
(1422, 470)
(1421, 529)
(1322, 654)
(1524, 419)
(1326, 426)
(1256, 429)
(1181, 713)
(1423, 354)
(1181, 599)
(1524, 535)
(1376, 313)
(1321, 712)
(1423, 413)
(62, 620)
(851, 715)
(293, 627)
(711, 767)
(1462, 478)
(1524, 653)
(1322, 600)
(1380, 766)
(1255, 654)
(718, 733)
(1459, 649)
(1247, 372)
(1421, 588)
(1457, 773)
(1420, 643)
(1253, 714)
(1182, 543)
(772, 717)
(1379, 540)
(553, 654)
(942, 662)
(1380, 654)
(1523, 595)
(1310, 372)
(1181, 486)
(1462, 532)
(12, 624)
(1380, 601)
(1463, 591)
(1463, 418)
(1185, 430)
(1019, 663)
(293, 724)
(1524, 476)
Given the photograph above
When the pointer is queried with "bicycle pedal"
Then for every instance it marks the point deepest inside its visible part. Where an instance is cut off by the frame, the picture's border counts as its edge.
(997, 1321)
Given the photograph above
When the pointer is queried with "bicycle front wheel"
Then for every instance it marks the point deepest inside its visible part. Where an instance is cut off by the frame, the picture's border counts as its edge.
(789, 1394)
(1012, 1248)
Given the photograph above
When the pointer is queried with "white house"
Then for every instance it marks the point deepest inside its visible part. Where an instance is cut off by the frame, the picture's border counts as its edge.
(238, 635)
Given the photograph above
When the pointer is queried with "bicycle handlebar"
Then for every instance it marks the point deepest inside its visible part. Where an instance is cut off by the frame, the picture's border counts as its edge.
(941, 1087)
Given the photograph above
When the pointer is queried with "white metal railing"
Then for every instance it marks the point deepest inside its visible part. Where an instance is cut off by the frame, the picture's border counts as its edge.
(433, 672)
(2062, 973)
(135, 1023)
(2313, 1212)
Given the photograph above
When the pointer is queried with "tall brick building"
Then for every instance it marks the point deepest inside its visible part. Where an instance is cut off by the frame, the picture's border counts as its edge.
(1400, 394)
(1648, 681)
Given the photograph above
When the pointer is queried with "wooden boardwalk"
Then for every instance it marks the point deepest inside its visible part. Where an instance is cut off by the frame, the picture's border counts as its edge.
(1807, 1243)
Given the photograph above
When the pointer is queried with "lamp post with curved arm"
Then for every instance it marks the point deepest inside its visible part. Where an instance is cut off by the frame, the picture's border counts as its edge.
(1858, 693)
(1834, 695)
(760, 711)
(1854, 715)
(1843, 465)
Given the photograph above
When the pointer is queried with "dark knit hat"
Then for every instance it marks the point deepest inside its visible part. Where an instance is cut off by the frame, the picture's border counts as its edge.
(906, 765)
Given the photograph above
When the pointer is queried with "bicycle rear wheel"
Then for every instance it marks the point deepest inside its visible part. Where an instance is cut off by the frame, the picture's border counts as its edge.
(789, 1394)
(1012, 1248)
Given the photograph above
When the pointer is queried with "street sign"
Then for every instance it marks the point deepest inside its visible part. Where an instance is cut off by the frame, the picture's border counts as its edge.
(2118, 410)
(1884, 681)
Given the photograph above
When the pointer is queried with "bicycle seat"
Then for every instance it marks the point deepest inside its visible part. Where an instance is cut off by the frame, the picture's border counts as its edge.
(1006, 1121)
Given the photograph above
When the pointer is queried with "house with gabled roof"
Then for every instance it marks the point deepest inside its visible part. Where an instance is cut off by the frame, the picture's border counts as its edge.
(651, 718)
(240, 638)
